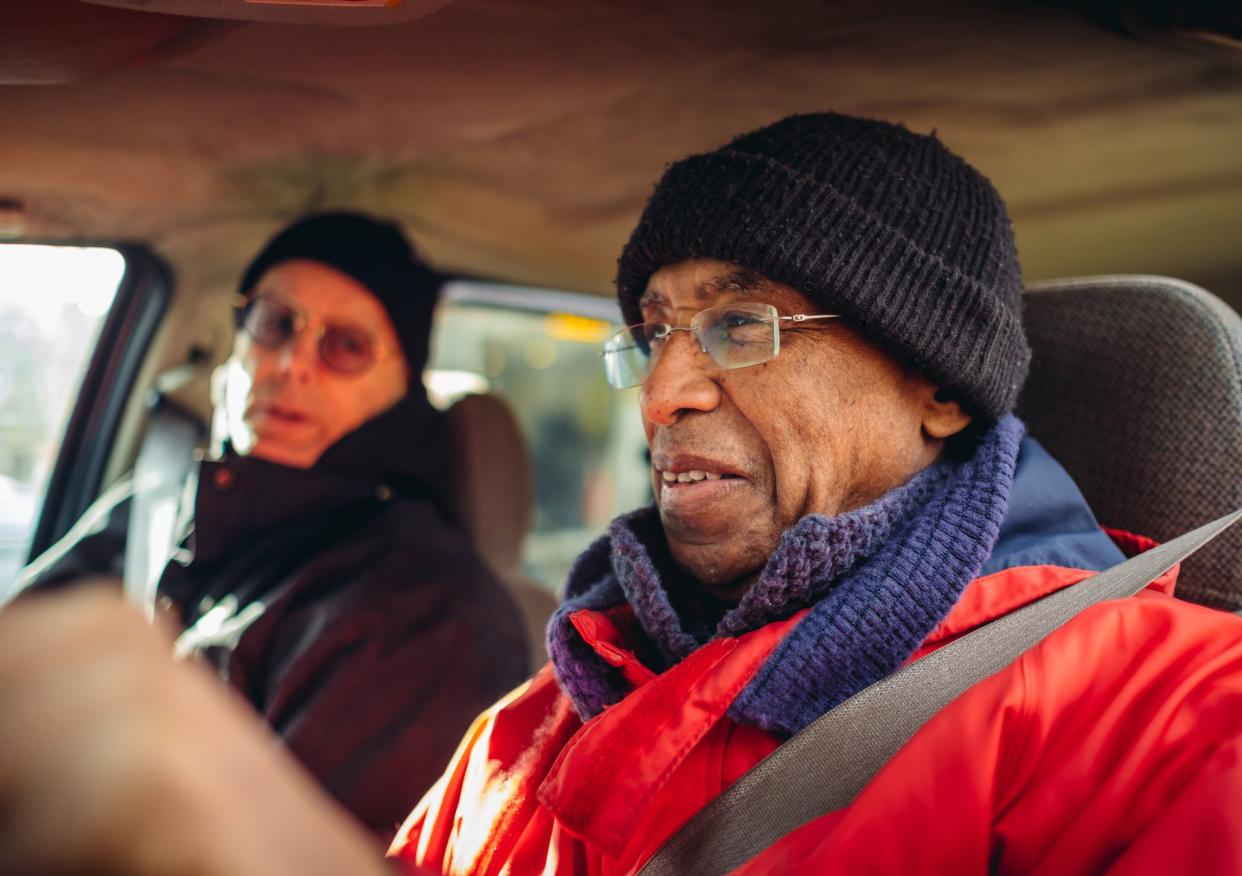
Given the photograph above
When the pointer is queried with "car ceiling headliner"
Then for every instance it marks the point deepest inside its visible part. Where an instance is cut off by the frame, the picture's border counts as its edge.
(518, 140)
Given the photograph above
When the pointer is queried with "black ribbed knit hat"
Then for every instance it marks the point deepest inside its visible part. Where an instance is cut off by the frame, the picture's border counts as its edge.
(371, 251)
(867, 219)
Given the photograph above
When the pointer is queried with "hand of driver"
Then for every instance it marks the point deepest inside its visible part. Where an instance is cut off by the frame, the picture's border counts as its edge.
(114, 758)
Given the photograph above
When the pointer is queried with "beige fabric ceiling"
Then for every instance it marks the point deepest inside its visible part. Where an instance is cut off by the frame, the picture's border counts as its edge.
(518, 140)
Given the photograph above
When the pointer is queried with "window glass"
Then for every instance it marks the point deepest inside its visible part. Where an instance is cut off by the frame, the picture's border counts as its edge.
(540, 350)
(53, 301)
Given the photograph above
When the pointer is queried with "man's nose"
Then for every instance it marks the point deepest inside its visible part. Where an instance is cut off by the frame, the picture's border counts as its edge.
(679, 381)
(299, 357)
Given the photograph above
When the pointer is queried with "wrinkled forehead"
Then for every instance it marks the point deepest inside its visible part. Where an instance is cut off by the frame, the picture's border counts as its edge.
(702, 283)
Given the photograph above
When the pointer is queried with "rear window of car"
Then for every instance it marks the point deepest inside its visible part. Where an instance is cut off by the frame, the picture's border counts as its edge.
(540, 350)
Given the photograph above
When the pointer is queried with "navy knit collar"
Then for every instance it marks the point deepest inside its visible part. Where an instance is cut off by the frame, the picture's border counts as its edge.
(879, 579)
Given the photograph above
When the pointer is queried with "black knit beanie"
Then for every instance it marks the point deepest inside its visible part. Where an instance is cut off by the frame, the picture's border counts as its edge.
(867, 219)
(377, 255)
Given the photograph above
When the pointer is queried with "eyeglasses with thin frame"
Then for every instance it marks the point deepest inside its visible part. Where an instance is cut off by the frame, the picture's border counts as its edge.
(346, 349)
(734, 335)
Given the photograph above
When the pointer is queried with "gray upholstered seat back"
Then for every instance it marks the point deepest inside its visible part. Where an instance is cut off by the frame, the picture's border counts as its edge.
(1136, 387)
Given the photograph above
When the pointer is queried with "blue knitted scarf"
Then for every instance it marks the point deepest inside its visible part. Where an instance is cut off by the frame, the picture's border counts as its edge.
(878, 580)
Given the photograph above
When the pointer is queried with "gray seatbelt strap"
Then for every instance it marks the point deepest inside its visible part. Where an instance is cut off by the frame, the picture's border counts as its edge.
(826, 765)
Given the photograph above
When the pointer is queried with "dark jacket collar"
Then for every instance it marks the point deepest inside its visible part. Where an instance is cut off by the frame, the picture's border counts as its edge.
(1048, 522)
(408, 444)
(405, 452)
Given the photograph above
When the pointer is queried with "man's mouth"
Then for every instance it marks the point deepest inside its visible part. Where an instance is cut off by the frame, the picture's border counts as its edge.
(677, 469)
(693, 476)
(285, 414)
(693, 485)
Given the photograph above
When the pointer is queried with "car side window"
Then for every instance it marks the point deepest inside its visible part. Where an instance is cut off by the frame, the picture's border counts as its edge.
(541, 351)
(53, 303)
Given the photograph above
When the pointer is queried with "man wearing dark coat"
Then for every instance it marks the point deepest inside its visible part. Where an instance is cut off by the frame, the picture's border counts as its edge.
(316, 567)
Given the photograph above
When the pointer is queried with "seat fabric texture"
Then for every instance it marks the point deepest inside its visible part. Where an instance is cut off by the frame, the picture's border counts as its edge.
(1136, 388)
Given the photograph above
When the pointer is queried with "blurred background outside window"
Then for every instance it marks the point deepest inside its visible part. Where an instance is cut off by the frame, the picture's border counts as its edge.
(53, 301)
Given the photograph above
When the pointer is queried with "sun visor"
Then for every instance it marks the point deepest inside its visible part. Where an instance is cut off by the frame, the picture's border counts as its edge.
(43, 45)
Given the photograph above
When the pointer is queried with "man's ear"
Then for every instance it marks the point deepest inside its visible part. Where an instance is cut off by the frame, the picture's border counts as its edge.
(943, 416)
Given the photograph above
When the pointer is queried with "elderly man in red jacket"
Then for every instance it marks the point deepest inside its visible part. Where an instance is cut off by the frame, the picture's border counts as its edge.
(825, 323)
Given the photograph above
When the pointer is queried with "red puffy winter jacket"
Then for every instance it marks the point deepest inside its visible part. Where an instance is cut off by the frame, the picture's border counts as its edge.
(1115, 745)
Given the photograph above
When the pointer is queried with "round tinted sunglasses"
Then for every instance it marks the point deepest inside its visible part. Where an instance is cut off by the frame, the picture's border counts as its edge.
(734, 336)
(343, 348)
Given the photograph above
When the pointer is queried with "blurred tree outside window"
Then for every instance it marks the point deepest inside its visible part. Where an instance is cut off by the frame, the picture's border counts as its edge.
(53, 301)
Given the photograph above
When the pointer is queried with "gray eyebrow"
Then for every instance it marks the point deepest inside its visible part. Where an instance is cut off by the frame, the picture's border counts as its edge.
(651, 296)
(741, 280)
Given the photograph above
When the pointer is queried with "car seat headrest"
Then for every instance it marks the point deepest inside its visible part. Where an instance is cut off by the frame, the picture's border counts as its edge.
(493, 500)
(493, 492)
(1136, 387)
